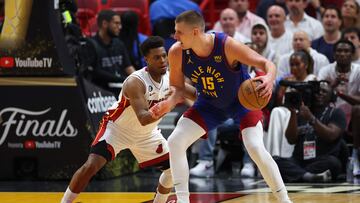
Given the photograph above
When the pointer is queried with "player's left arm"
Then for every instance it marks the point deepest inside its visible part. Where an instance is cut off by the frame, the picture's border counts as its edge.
(190, 92)
(237, 52)
(134, 89)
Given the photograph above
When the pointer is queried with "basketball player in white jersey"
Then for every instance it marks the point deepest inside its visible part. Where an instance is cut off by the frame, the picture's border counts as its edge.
(130, 123)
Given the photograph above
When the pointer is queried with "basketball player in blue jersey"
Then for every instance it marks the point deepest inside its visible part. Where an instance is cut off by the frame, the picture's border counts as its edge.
(213, 63)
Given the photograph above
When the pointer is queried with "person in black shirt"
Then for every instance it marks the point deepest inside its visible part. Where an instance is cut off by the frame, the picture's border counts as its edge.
(316, 133)
(106, 56)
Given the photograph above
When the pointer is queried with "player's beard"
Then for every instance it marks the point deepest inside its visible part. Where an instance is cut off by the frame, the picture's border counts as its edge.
(111, 33)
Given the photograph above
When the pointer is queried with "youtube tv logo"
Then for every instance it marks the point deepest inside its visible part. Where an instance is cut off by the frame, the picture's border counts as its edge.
(7, 62)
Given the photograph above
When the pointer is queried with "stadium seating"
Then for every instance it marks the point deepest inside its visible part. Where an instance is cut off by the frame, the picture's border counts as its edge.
(141, 7)
(86, 14)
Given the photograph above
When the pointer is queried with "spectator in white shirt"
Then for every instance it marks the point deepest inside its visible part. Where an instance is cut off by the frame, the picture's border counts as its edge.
(301, 41)
(343, 75)
(279, 38)
(259, 36)
(228, 22)
(297, 19)
(246, 18)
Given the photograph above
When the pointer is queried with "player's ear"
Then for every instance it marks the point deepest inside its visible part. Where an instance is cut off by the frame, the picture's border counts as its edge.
(196, 31)
(146, 59)
(104, 24)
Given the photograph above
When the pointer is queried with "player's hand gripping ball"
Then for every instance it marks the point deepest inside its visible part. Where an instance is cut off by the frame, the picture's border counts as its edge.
(249, 97)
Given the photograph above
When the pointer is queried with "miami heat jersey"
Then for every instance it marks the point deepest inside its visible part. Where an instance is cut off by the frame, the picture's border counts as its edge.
(123, 115)
(216, 82)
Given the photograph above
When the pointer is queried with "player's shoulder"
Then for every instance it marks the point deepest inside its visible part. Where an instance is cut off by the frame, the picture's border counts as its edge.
(135, 79)
(175, 49)
(230, 42)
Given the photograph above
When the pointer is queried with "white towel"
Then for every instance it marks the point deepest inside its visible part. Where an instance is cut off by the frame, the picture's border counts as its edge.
(275, 140)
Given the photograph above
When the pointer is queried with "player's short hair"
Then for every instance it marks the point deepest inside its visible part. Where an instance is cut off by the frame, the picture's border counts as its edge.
(151, 43)
(306, 58)
(332, 7)
(344, 41)
(356, 4)
(106, 15)
(192, 18)
(351, 30)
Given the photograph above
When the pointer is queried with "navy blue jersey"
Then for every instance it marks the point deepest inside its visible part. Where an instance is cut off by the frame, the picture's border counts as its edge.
(216, 82)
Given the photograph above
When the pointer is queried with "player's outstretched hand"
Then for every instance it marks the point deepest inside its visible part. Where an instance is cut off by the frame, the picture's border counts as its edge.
(163, 107)
(265, 88)
(160, 109)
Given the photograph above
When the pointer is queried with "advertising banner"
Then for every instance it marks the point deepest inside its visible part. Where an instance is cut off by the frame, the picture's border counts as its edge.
(32, 40)
(43, 128)
(97, 102)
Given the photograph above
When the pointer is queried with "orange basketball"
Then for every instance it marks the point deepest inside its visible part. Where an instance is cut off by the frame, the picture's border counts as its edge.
(249, 98)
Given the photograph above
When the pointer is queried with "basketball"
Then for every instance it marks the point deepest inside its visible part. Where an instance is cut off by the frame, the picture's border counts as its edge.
(249, 97)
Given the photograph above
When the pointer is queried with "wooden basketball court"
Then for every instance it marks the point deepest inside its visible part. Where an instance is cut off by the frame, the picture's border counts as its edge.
(139, 197)
(223, 189)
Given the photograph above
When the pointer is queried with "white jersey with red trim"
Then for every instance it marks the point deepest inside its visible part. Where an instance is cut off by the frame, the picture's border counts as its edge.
(124, 116)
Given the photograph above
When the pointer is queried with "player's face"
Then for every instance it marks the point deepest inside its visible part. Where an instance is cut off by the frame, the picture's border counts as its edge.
(185, 34)
(349, 9)
(157, 61)
(353, 37)
(114, 26)
(297, 67)
(300, 41)
(296, 7)
(229, 21)
(259, 37)
(331, 20)
(324, 95)
(343, 54)
(276, 17)
(240, 6)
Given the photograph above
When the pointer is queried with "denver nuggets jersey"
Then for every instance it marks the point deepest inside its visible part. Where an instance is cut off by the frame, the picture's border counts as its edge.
(123, 115)
(216, 82)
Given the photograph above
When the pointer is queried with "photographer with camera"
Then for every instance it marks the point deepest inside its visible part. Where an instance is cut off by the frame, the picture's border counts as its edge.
(301, 67)
(344, 76)
(315, 129)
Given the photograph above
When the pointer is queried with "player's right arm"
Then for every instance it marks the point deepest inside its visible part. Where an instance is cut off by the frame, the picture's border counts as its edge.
(134, 90)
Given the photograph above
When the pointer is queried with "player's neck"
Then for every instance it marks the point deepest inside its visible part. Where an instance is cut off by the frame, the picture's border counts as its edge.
(106, 39)
(343, 68)
(277, 32)
(155, 77)
(204, 45)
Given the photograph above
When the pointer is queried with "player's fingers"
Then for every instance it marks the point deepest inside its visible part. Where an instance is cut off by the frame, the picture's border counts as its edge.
(265, 92)
(267, 95)
(260, 87)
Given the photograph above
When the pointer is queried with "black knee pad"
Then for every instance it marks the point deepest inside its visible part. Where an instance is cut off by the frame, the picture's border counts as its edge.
(100, 148)
(164, 165)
